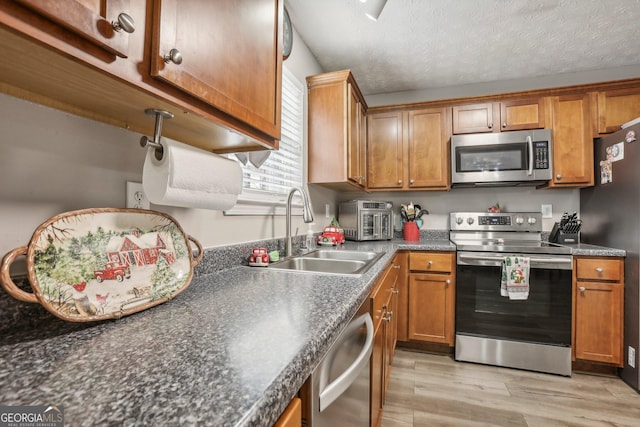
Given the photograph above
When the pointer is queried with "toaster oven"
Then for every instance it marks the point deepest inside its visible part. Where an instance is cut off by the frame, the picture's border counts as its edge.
(366, 219)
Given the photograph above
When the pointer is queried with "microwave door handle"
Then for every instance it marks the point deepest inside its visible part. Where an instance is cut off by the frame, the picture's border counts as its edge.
(530, 144)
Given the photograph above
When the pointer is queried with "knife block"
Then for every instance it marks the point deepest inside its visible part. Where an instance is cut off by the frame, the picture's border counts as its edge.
(568, 238)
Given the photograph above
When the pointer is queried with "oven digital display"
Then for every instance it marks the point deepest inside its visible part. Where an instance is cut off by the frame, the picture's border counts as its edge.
(494, 220)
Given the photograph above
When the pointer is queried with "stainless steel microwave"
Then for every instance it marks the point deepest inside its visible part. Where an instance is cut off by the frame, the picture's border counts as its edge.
(366, 220)
(501, 159)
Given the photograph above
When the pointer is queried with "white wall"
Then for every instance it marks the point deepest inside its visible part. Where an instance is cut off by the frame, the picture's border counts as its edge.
(53, 162)
(511, 199)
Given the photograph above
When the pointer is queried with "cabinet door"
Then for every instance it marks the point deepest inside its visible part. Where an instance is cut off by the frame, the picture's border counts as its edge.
(292, 416)
(616, 107)
(355, 141)
(377, 375)
(431, 308)
(391, 337)
(522, 114)
(217, 41)
(598, 322)
(384, 150)
(428, 140)
(474, 118)
(402, 287)
(572, 142)
(91, 20)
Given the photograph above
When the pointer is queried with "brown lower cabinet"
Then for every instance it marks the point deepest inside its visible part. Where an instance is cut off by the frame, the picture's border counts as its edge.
(292, 416)
(384, 303)
(598, 306)
(431, 303)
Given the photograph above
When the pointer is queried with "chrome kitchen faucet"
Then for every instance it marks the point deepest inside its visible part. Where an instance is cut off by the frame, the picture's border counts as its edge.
(307, 216)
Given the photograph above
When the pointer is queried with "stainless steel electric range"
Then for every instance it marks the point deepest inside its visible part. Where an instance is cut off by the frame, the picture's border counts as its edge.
(533, 333)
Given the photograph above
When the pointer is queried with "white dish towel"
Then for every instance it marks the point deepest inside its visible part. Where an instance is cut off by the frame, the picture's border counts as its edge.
(515, 277)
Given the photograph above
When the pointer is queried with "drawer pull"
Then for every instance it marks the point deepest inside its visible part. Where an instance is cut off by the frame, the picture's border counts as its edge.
(582, 288)
(599, 269)
(448, 281)
(429, 264)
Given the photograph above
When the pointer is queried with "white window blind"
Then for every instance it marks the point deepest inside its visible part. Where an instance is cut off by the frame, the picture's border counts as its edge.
(265, 189)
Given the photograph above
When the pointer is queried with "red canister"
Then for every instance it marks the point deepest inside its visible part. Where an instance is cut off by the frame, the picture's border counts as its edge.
(411, 231)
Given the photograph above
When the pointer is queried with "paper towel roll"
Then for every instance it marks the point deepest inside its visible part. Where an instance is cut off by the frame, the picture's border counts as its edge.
(189, 177)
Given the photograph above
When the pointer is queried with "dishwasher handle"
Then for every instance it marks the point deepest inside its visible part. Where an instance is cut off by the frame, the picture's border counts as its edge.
(334, 390)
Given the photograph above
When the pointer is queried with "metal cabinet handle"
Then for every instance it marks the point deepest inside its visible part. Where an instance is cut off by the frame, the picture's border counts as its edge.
(400, 182)
(490, 125)
(599, 269)
(411, 181)
(124, 23)
(448, 281)
(558, 177)
(582, 288)
(429, 264)
(504, 124)
(174, 56)
(395, 291)
(396, 266)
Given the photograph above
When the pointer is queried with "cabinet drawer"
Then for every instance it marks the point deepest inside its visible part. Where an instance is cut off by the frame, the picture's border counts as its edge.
(431, 261)
(382, 293)
(599, 269)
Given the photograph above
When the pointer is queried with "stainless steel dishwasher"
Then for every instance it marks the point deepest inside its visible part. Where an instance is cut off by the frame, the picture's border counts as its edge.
(340, 383)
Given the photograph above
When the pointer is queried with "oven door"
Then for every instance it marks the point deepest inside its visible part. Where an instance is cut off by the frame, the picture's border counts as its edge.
(543, 318)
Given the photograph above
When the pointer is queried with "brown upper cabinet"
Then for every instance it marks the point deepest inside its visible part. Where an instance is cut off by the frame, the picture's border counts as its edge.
(192, 49)
(409, 150)
(105, 23)
(501, 116)
(613, 108)
(337, 131)
(225, 94)
(572, 141)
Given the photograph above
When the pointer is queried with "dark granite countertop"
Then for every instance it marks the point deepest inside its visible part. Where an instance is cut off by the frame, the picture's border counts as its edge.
(231, 350)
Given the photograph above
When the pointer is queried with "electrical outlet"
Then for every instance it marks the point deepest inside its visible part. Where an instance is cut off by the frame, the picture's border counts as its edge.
(547, 211)
(136, 197)
(631, 357)
(326, 210)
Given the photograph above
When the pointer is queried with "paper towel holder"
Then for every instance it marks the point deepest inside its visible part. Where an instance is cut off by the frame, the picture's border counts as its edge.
(157, 134)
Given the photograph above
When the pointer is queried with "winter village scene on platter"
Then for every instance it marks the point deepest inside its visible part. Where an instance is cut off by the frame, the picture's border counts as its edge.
(97, 264)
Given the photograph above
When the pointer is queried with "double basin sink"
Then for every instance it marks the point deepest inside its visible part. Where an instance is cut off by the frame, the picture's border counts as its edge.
(327, 261)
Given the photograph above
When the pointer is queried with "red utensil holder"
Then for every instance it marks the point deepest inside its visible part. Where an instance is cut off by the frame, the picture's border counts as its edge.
(411, 231)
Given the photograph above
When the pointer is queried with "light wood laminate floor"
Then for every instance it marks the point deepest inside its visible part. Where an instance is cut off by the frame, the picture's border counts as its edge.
(434, 390)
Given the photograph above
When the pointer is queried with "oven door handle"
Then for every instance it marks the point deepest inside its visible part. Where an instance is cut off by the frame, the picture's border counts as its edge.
(557, 263)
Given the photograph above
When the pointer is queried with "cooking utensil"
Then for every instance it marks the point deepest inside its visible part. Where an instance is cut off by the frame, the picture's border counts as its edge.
(422, 212)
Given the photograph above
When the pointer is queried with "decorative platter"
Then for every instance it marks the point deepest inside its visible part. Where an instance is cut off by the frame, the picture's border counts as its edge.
(96, 264)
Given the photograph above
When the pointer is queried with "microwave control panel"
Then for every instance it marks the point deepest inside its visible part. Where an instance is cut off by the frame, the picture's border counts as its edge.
(541, 149)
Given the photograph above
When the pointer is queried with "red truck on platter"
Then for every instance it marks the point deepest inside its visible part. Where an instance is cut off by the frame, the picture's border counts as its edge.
(112, 271)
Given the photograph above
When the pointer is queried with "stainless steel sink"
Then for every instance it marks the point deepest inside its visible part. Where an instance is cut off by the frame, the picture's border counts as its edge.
(329, 262)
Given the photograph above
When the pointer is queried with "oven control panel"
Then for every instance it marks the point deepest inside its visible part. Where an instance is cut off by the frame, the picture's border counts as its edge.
(496, 221)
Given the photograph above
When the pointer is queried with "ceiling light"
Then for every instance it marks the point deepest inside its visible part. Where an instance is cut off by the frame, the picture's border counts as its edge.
(373, 8)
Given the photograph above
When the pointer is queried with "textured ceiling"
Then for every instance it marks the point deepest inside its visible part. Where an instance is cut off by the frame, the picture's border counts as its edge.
(423, 44)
